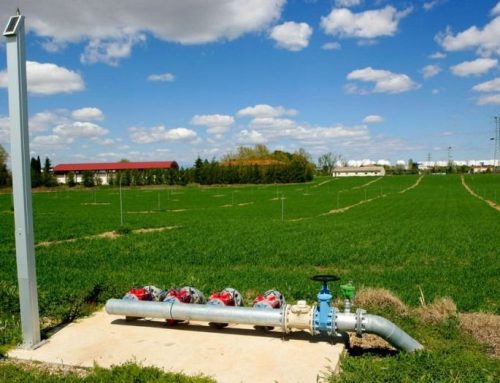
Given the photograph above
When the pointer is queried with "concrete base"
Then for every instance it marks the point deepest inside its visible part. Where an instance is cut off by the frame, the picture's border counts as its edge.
(233, 354)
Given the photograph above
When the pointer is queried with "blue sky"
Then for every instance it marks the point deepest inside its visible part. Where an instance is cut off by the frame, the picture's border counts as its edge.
(170, 80)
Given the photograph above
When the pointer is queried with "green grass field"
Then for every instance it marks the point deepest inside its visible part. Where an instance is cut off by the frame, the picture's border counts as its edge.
(435, 237)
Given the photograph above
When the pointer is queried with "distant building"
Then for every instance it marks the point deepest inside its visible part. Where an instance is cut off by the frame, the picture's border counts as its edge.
(362, 171)
(104, 169)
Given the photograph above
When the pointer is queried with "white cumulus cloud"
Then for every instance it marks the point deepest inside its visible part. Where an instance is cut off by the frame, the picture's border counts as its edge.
(437, 56)
(292, 36)
(384, 81)
(428, 5)
(347, 3)
(496, 10)
(53, 141)
(87, 114)
(490, 99)
(264, 110)
(474, 68)
(372, 119)
(272, 123)
(111, 30)
(110, 50)
(142, 135)
(331, 46)
(250, 137)
(42, 121)
(485, 40)
(80, 129)
(47, 78)
(164, 77)
(367, 25)
(429, 71)
(216, 123)
(488, 86)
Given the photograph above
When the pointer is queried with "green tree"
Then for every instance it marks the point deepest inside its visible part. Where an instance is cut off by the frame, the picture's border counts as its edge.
(70, 179)
(36, 172)
(88, 178)
(48, 178)
(5, 178)
(327, 161)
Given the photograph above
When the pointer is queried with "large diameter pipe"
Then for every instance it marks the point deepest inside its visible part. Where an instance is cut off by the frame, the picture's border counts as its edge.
(374, 324)
(297, 317)
(196, 312)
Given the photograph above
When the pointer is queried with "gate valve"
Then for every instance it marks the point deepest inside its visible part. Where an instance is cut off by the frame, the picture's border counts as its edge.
(186, 294)
(138, 294)
(226, 297)
(270, 300)
(324, 316)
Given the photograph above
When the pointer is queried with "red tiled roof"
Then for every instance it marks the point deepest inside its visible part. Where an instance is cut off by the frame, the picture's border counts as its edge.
(61, 168)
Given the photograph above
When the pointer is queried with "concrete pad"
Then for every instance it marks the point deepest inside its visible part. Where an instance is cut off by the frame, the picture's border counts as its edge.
(233, 354)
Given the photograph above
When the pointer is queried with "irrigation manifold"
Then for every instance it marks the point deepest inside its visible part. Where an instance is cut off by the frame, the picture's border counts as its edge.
(269, 311)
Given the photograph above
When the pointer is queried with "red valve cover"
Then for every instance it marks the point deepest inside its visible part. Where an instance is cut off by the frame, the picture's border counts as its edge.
(223, 296)
(181, 295)
(271, 300)
(141, 294)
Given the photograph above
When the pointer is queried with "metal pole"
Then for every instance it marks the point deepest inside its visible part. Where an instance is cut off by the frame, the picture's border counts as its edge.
(121, 201)
(282, 207)
(21, 182)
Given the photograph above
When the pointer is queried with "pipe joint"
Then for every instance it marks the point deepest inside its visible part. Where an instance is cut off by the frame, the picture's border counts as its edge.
(360, 322)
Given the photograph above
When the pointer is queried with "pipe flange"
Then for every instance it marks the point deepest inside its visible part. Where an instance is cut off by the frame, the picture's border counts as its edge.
(284, 314)
(360, 319)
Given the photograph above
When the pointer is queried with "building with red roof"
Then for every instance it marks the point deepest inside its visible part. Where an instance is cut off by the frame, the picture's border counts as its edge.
(103, 170)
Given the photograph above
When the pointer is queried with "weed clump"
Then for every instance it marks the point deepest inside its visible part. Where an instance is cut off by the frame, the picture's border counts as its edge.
(380, 300)
(438, 311)
(483, 327)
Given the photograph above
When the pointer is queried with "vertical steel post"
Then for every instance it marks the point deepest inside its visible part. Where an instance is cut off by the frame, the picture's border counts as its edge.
(21, 182)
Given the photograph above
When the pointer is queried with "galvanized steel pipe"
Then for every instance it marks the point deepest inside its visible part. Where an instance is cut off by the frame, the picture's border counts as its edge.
(287, 318)
(373, 324)
(196, 312)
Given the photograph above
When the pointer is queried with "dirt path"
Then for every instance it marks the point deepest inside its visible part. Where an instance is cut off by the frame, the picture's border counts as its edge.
(107, 234)
(412, 186)
(345, 208)
(322, 183)
(367, 184)
(473, 193)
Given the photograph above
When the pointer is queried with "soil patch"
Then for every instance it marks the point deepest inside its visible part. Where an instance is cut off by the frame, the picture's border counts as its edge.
(106, 235)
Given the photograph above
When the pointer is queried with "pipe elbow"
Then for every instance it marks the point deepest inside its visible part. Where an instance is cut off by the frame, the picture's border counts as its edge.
(387, 330)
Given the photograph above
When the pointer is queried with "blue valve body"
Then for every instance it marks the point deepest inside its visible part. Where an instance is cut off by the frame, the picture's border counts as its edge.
(324, 317)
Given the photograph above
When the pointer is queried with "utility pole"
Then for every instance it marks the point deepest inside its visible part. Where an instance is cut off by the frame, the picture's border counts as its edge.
(450, 159)
(21, 181)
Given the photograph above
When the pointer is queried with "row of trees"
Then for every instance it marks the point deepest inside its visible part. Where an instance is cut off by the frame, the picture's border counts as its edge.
(245, 166)
(39, 176)
(42, 177)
